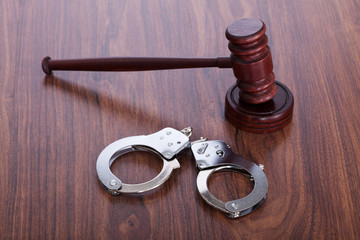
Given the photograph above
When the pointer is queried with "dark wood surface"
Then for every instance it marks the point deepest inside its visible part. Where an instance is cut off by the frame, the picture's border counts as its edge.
(53, 128)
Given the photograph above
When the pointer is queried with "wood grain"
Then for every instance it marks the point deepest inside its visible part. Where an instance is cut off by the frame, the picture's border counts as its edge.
(53, 128)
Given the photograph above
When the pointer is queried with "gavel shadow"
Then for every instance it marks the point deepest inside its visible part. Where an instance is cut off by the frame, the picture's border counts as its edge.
(102, 101)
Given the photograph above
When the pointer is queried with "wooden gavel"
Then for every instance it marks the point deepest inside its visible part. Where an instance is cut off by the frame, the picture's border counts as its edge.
(255, 103)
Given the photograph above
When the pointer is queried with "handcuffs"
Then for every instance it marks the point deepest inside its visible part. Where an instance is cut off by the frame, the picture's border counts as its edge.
(210, 157)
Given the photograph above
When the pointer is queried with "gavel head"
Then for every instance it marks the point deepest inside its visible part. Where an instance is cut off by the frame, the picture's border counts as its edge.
(252, 62)
(256, 103)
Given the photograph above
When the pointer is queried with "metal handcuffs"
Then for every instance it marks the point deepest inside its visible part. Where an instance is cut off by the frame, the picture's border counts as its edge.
(210, 157)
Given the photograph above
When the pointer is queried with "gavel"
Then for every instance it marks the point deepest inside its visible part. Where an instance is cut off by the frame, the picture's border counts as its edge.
(255, 103)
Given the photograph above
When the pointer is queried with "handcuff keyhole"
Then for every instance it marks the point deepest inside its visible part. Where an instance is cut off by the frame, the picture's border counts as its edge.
(220, 153)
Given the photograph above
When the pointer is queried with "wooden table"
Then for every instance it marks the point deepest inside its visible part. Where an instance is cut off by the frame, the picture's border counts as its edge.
(53, 128)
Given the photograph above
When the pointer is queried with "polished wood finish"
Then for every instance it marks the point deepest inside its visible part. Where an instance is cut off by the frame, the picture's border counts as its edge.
(252, 62)
(265, 117)
(256, 103)
(53, 127)
(132, 64)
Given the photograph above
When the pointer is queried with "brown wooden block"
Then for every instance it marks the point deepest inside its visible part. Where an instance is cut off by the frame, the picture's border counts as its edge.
(260, 118)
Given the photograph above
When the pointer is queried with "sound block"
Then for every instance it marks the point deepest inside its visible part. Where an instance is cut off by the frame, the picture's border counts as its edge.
(260, 118)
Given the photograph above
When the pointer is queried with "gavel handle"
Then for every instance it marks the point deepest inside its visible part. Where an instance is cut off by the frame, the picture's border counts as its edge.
(132, 64)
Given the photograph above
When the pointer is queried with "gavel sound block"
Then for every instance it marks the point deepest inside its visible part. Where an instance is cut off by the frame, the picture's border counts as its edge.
(256, 103)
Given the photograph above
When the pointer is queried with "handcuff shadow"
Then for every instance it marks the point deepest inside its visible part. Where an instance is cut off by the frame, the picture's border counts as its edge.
(134, 199)
(213, 213)
(95, 98)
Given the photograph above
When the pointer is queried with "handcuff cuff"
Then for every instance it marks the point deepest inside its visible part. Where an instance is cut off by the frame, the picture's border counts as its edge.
(210, 157)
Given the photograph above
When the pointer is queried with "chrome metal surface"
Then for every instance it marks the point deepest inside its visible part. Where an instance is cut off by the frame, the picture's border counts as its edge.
(166, 144)
(218, 156)
(210, 156)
